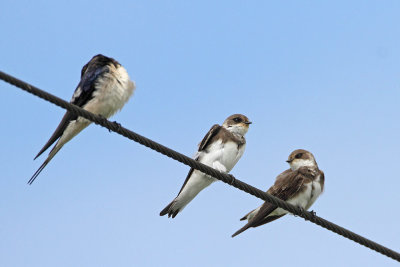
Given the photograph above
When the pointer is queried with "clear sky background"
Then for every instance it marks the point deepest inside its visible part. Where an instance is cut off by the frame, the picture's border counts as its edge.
(309, 74)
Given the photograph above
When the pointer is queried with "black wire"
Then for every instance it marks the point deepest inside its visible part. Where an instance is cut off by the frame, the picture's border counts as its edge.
(226, 178)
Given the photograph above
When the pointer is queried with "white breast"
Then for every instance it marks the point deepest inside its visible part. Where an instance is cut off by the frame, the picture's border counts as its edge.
(302, 199)
(305, 199)
(213, 153)
(231, 154)
(227, 154)
(309, 195)
(112, 92)
(316, 191)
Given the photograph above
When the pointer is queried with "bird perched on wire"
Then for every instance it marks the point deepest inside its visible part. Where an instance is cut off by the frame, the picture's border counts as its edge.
(300, 185)
(221, 149)
(104, 89)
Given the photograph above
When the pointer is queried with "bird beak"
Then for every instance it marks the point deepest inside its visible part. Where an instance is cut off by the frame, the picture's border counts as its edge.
(248, 122)
(288, 161)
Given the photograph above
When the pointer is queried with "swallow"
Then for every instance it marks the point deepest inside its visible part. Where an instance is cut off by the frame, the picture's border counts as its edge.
(221, 149)
(300, 186)
(104, 89)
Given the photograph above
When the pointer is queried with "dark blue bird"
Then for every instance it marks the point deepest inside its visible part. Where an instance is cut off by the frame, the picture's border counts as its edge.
(104, 89)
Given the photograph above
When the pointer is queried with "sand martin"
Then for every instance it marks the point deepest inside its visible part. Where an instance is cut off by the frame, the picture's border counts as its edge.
(300, 185)
(104, 89)
(221, 149)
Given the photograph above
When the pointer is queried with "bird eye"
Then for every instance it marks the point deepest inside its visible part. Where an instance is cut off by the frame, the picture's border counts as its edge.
(298, 155)
(237, 119)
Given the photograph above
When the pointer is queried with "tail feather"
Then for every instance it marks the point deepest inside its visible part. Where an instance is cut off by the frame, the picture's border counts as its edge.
(169, 210)
(165, 211)
(36, 174)
(175, 213)
(52, 153)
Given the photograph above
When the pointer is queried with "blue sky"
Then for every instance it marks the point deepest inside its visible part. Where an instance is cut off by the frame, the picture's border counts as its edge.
(309, 74)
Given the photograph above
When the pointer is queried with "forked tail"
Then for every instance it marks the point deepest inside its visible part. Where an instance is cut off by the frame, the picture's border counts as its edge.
(169, 210)
(52, 153)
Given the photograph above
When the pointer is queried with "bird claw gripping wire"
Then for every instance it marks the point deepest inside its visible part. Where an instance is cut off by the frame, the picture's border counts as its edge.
(301, 211)
(175, 155)
(313, 214)
(117, 125)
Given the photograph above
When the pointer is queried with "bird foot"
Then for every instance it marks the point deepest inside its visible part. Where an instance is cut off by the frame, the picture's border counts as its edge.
(117, 125)
(313, 214)
(301, 211)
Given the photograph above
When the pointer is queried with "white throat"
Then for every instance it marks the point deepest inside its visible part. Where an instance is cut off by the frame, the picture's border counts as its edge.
(298, 163)
(237, 130)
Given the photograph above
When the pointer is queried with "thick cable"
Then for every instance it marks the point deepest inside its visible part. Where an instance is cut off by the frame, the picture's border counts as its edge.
(226, 178)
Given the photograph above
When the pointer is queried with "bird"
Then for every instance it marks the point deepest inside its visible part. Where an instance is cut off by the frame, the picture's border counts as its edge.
(104, 88)
(300, 185)
(221, 148)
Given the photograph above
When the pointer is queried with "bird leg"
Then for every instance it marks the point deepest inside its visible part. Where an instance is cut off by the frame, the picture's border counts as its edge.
(313, 214)
(301, 210)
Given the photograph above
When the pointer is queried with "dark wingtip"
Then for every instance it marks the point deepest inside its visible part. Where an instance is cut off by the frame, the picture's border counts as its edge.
(244, 228)
(41, 151)
(57, 133)
(235, 234)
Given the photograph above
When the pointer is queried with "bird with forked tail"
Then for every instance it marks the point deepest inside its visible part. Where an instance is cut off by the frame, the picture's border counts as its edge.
(104, 89)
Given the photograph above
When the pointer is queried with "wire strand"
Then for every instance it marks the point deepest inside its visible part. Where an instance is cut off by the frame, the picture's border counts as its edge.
(226, 178)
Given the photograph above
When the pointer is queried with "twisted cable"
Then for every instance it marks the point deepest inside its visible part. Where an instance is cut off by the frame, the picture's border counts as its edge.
(226, 178)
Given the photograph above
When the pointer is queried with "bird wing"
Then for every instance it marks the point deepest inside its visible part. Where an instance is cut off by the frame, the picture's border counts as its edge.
(82, 94)
(286, 186)
(208, 137)
(202, 146)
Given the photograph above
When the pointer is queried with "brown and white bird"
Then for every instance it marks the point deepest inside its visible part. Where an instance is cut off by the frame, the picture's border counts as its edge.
(221, 149)
(104, 89)
(300, 186)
